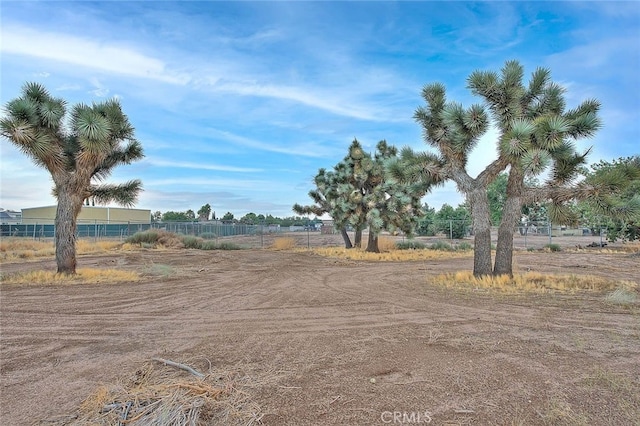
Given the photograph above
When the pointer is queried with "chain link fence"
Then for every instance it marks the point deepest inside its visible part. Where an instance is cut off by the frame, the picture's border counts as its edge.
(97, 230)
(527, 235)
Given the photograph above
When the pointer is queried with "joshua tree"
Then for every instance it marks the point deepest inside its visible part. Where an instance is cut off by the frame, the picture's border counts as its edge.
(325, 200)
(536, 132)
(79, 155)
(453, 131)
(358, 193)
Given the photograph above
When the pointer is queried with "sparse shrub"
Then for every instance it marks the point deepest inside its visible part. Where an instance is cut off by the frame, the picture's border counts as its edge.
(212, 245)
(621, 296)
(553, 247)
(531, 249)
(464, 246)
(441, 246)
(410, 245)
(208, 245)
(226, 245)
(191, 242)
(149, 237)
(208, 236)
(160, 269)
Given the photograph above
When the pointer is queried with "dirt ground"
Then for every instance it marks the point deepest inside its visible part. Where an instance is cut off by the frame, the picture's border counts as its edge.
(330, 342)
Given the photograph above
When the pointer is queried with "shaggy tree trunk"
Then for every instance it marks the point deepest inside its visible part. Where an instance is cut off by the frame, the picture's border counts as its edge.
(482, 232)
(358, 238)
(69, 205)
(504, 248)
(372, 244)
(345, 237)
(510, 215)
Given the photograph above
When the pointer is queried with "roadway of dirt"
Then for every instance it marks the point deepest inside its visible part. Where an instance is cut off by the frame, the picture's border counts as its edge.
(329, 341)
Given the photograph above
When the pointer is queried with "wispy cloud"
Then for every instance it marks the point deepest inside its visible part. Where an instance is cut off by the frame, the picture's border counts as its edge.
(85, 52)
(198, 166)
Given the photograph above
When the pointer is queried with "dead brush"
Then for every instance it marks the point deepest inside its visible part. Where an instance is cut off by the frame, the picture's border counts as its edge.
(283, 243)
(159, 395)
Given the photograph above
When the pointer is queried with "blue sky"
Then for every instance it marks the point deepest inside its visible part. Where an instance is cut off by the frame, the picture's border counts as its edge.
(238, 104)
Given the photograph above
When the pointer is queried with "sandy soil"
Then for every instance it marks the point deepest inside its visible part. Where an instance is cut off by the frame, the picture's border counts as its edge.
(328, 341)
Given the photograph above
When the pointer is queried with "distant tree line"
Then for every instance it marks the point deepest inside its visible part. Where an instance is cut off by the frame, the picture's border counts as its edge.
(205, 214)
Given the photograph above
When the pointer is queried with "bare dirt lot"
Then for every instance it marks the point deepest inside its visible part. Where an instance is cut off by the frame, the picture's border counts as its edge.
(328, 341)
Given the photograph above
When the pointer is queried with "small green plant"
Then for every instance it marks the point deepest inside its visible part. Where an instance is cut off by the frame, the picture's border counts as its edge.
(553, 247)
(208, 236)
(441, 246)
(410, 245)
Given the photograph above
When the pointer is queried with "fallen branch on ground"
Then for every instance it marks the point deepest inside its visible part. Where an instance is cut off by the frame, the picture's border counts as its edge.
(180, 366)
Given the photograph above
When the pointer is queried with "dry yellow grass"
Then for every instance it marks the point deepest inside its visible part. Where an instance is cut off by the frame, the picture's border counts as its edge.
(386, 244)
(531, 282)
(394, 255)
(25, 248)
(83, 276)
(283, 243)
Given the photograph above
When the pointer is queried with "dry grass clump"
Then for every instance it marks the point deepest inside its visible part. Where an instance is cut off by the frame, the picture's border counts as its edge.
(532, 282)
(82, 276)
(25, 248)
(161, 395)
(283, 243)
(395, 255)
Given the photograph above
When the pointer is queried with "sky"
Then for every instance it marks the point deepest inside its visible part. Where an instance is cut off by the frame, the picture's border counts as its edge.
(238, 104)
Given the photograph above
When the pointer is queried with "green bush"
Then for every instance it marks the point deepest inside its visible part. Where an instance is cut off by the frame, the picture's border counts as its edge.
(208, 236)
(148, 237)
(228, 246)
(442, 246)
(410, 245)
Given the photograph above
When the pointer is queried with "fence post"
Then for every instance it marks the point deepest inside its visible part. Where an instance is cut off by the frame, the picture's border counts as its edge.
(451, 229)
(600, 235)
(550, 232)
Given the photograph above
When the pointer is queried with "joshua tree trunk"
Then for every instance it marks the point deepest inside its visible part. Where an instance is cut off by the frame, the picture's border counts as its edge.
(358, 238)
(372, 244)
(481, 231)
(504, 248)
(345, 237)
(510, 215)
(69, 205)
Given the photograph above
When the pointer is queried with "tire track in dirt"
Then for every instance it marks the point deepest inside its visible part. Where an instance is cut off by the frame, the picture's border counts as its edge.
(279, 307)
